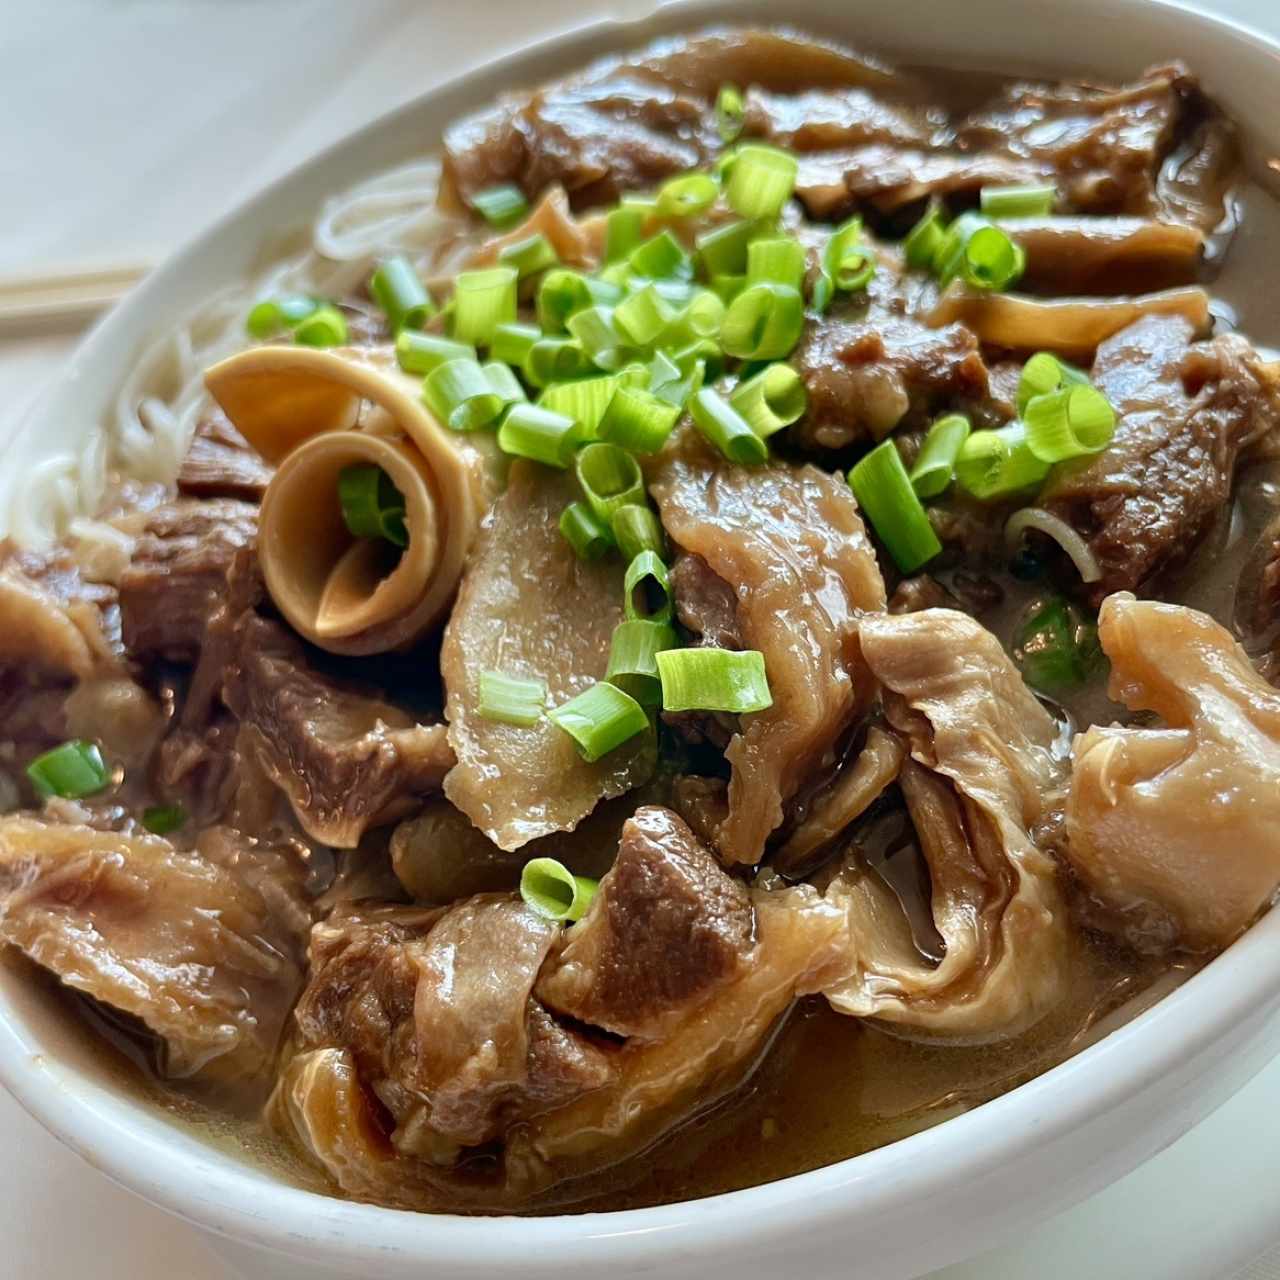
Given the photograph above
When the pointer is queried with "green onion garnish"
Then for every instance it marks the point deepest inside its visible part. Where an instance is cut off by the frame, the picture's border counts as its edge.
(633, 657)
(624, 229)
(422, 352)
(512, 342)
(555, 360)
(326, 326)
(706, 679)
(935, 464)
(564, 292)
(924, 240)
(510, 699)
(461, 395)
(637, 420)
(585, 400)
(726, 428)
(1056, 647)
(372, 506)
(763, 322)
(596, 331)
(730, 111)
(1043, 373)
(600, 719)
(502, 206)
(760, 181)
(647, 581)
(1069, 423)
(482, 301)
(72, 770)
(775, 260)
(724, 250)
(531, 431)
(529, 256)
(998, 464)
(880, 483)
(662, 257)
(610, 478)
(584, 532)
(271, 315)
(774, 398)
(686, 196)
(637, 529)
(698, 321)
(552, 890)
(643, 316)
(504, 382)
(977, 251)
(847, 264)
(161, 819)
(403, 297)
(1018, 201)
(670, 382)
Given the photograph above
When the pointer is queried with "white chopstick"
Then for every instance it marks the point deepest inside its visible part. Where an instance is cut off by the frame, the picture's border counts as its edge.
(65, 299)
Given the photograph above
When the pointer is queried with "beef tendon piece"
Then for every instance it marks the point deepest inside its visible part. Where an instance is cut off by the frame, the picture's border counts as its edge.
(529, 607)
(1182, 817)
(791, 544)
(220, 463)
(204, 948)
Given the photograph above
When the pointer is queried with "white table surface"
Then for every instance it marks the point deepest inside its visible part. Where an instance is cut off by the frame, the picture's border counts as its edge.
(126, 126)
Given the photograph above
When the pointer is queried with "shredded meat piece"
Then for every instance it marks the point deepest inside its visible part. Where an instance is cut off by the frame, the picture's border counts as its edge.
(221, 464)
(825, 120)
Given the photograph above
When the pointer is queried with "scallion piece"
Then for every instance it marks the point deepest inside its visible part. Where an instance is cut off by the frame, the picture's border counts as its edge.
(726, 288)
(706, 679)
(556, 360)
(924, 240)
(726, 428)
(512, 342)
(637, 529)
(643, 316)
(501, 206)
(529, 256)
(161, 819)
(553, 891)
(271, 315)
(584, 532)
(992, 260)
(624, 230)
(562, 293)
(880, 483)
(600, 719)
(637, 420)
(1029, 201)
(422, 352)
(326, 326)
(403, 297)
(1069, 423)
(647, 583)
(586, 399)
(775, 260)
(670, 382)
(372, 506)
(998, 464)
(633, 657)
(703, 352)
(596, 330)
(71, 770)
(686, 196)
(1044, 373)
(935, 464)
(770, 400)
(482, 301)
(724, 250)
(763, 322)
(504, 382)
(698, 321)
(511, 699)
(661, 257)
(531, 431)
(730, 113)
(461, 395)
(1055, 646)
(760, 181)
(610, 478)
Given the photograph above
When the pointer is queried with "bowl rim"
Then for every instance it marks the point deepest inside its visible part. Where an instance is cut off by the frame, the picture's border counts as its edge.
(226, 1196)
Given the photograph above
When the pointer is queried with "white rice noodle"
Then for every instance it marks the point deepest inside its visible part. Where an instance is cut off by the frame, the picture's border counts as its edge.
(1060, 531)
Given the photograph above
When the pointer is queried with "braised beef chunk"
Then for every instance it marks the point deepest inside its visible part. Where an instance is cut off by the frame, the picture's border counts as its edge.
(221, 464)
(665, 930)
(1185, 412)
(825, 120)
(347, 760)
(178, 575)
(705, 603)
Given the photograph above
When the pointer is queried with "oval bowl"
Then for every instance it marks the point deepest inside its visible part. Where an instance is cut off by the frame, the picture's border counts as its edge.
(927, 1200)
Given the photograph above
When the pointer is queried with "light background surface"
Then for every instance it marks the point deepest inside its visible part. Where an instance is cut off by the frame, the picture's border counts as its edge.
(126, 126)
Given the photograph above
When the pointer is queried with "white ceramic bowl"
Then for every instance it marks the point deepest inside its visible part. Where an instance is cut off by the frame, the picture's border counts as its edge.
(931, 1199)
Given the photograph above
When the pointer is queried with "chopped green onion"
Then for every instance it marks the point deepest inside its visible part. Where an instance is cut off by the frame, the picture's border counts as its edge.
(726, 288)
(268, 317)
(1055, 646)
(935, 464)
(1043, 373)
(637, 420)
(763, 322)
(703, 352)
(531, 431)
(552, 890)
(502, 206)
(776, 260)
(980, 253)
(760, 181)
(600, 719)
(647, 579)
(482, 301)
(706, 679)
(672, 383)
(686, 196)
(504, 382)
(372, 506)
(556, 360)
(562, 293)
(584, 532)
(529, 256)
(461, 395)
(161, 819)
(403, 297)
(610, 478)
(643, 316)
(586, 399)
(847, 264)
(662, 257)
(633, 657)
(724, 250)
(512, 342)
(924, 240)
(699, 321)
(998, 464)
(637, 529)
(880, 483)
(1069, 423)
(623, 230)
(422, 352)
(726, 428)
(1030, 201)
(326, 326)
(596, 330)
(774, 398)
(511, 699)
(730, 113)
(72, 770)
